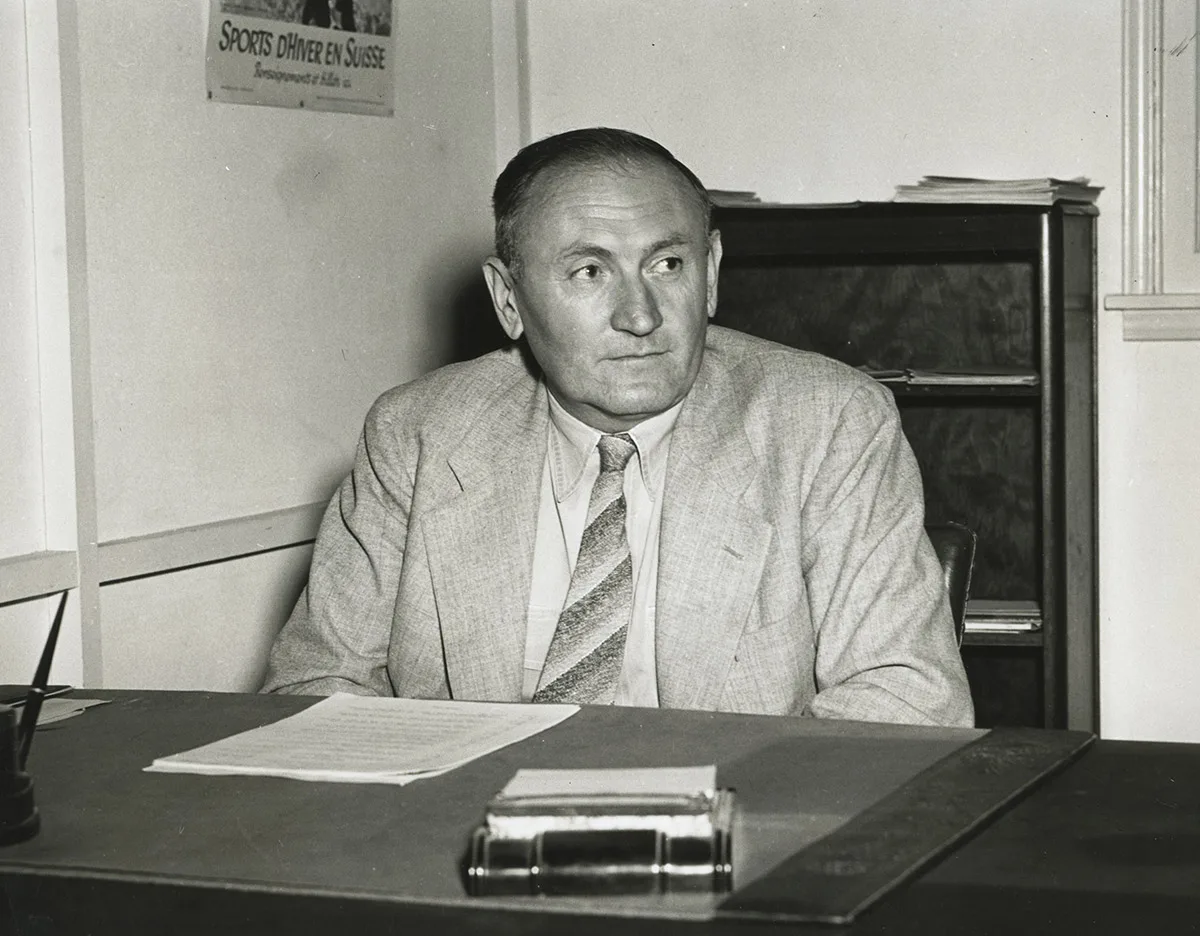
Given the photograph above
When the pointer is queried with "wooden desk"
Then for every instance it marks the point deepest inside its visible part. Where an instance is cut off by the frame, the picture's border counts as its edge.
(1111, 843)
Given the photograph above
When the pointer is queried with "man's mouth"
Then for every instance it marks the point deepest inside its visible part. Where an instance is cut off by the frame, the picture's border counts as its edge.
(637, 356)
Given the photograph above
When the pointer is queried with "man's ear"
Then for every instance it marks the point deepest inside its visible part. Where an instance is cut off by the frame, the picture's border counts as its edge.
(714, 268)
(502, 286)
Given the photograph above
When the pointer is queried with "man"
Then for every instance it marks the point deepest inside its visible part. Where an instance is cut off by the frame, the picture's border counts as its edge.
(628, 505)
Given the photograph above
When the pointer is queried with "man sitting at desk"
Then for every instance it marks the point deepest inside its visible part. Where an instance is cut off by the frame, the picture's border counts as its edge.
(627, 504)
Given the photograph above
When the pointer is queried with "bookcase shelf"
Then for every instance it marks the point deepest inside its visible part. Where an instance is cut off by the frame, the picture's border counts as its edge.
(937, 391)
(1002, 639)
(1006, 289)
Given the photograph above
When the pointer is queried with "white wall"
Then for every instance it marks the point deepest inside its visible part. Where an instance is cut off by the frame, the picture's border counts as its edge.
(35, 421)
(1150, 637)
(817, 100)
(257, 276)
(251, 279)
(23, 527)
(1150, 406)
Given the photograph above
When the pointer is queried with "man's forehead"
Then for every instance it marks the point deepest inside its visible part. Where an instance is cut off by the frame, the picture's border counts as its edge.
(608, 200)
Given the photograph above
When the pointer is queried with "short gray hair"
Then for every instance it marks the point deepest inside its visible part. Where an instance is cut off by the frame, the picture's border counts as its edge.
(574, 149)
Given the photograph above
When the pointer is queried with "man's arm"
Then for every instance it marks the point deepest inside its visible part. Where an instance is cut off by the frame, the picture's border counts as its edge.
(885, 639)
(337, 638)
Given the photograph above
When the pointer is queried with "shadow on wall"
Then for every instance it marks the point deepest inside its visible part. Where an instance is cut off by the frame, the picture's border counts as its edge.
(278, 601)
(476, 330)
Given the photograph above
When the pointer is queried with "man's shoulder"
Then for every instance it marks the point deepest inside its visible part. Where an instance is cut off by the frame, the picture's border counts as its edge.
(760, 366)
(790, 404)
(454, 395)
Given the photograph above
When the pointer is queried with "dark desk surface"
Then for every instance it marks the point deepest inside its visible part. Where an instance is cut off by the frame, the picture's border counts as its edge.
(1111, 844)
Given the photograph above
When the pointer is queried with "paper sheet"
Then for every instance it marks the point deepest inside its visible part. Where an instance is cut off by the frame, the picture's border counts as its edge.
(56, 710)
(638, 781)
(356, 739)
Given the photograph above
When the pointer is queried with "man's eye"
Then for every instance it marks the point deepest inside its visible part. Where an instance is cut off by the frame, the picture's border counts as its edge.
(669, 265)
(589, 271)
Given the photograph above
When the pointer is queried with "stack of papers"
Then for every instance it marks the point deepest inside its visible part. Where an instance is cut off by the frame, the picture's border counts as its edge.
(998, 616)
(674, 798)
(357, 739)
(56, 710)
(976, 374)
(984, 375)
(53, 708)
(733, 197)
(1045, 191)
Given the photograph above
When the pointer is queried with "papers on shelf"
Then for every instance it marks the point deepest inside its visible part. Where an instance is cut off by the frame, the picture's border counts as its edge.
(980, 626)
(1044, 191)
(982, 375)
(733, 197)
(356, 739)
(1002, 616)
(975, 374)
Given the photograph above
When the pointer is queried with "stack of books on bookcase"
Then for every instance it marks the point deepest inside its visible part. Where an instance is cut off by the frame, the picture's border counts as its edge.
(994, 616)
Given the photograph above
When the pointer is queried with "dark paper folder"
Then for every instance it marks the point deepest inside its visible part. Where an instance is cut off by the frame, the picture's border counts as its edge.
(594, 842)
(16, 695)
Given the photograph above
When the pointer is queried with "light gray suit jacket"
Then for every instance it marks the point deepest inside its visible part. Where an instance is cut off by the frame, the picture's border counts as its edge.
(794, 572)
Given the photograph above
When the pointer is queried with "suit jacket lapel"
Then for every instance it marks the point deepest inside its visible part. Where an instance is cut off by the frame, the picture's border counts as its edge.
(481, 543)
(713, 544)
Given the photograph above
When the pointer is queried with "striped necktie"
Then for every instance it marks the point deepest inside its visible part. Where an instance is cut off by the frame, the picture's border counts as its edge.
(588, 646)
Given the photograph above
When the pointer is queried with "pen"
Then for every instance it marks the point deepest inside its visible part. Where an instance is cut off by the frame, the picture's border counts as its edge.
(41, 679)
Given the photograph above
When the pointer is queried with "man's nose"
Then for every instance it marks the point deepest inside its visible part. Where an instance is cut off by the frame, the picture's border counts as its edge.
(636, 309)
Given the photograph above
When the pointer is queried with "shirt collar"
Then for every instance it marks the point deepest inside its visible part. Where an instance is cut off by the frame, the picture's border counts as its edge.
(572, 443)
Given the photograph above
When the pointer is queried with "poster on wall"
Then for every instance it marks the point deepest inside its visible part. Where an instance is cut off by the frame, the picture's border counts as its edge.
(330, 55)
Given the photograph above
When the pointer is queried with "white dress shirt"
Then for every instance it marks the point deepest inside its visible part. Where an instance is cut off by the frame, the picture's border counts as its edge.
(571, 468)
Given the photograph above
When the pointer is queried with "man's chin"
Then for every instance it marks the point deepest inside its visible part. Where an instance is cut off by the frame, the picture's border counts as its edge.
(633, 409)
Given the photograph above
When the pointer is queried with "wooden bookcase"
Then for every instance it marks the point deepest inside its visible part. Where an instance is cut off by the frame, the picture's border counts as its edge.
(1005, 288)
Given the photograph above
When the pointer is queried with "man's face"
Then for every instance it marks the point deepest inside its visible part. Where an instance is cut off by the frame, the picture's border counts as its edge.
(616, 283)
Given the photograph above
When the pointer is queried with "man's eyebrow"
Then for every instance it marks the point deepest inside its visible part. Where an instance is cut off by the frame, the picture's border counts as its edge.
(581, 249)
(674, 239)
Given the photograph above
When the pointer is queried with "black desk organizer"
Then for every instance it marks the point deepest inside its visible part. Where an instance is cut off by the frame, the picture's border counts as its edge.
(571, 845)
